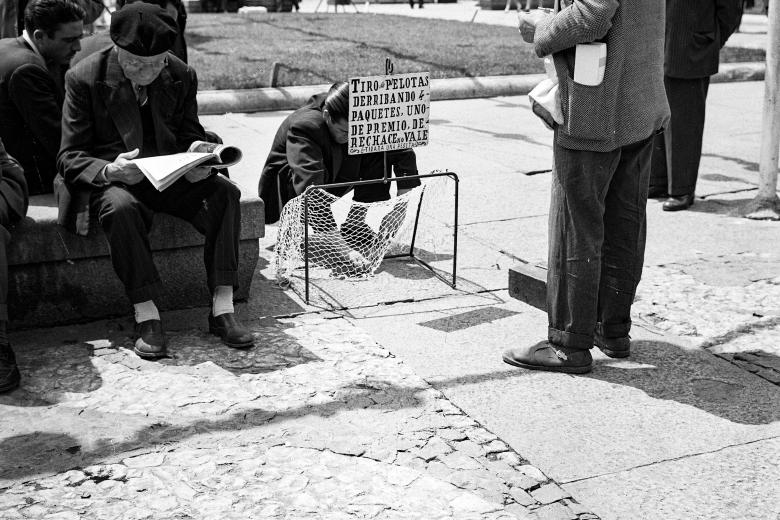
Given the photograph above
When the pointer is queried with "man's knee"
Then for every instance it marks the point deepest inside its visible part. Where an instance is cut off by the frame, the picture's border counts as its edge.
(116, 207)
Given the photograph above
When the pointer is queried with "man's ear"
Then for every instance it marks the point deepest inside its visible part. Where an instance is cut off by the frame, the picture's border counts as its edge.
(326, 116)
(38, 34)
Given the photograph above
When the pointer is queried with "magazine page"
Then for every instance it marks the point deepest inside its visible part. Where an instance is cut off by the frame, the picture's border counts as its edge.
(164, 170)
(224, 155)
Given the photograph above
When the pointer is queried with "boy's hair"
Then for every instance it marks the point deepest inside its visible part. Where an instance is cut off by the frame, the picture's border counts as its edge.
(48, 15)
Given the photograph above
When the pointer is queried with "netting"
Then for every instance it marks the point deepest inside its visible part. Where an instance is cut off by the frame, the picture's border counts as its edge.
(349, 239)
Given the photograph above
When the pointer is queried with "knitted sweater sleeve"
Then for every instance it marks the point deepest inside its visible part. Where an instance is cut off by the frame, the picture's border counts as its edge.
(583, 21)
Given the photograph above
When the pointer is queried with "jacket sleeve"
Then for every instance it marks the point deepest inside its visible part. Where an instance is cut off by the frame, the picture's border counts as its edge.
(34, 93)
(729, 15)
(583, 21)
(305, 157)
(74, 161)
(404, 164)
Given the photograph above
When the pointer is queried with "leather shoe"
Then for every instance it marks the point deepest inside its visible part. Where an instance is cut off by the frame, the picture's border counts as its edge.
(674, 203)
(550, 357)
(150, 342)
(613, 347)
(233, 334)
(9, 372)
(657, 192)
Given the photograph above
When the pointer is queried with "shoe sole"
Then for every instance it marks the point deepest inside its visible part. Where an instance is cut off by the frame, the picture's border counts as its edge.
(232, 345)
(615, 354)
(146, 355)
(561, 369)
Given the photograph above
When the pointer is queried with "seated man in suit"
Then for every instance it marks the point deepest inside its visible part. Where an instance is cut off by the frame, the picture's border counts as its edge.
(13, 206)
(31, 87)
(137, 100)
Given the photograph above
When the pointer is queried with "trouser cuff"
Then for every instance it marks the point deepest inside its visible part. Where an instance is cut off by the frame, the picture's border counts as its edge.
(613, 330)
(224, 278)
(569, 339)
(151, 291)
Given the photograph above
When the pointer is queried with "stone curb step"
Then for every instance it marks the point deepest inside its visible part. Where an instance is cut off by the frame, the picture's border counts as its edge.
(214, 102)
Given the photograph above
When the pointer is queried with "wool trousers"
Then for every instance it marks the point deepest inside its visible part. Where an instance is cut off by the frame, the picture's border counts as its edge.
(677, 152)
(126, 214)
(597, 241)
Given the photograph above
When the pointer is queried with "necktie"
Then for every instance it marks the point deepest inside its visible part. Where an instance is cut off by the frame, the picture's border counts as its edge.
(141, 95)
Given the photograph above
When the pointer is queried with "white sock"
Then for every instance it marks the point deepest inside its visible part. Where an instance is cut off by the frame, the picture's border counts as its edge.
(222, 303)
(146, 311)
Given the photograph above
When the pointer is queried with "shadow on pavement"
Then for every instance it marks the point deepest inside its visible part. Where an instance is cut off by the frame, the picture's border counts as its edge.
(692, 377)
(725, 207)
(43, 453)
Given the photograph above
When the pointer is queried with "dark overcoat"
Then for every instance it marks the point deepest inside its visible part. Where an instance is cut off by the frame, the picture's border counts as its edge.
(101, 119)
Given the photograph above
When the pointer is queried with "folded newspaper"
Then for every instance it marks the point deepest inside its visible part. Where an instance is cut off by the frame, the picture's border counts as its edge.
(164, 170)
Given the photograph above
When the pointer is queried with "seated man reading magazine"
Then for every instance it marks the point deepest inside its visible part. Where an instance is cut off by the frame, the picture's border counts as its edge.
(136, 100)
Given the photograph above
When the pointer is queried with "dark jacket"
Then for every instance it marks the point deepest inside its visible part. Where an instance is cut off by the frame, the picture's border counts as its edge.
(13, 185)
(101, 119)
(304, 153)
(695, 32)
(30, 112)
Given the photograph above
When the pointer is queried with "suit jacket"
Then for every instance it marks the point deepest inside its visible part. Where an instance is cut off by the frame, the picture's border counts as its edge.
(13, 185)
(101, 119)
(630, 103)
(304, 153)
(31, 98)
(695, 32)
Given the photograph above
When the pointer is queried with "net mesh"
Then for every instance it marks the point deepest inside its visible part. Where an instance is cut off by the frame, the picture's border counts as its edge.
(349, 239)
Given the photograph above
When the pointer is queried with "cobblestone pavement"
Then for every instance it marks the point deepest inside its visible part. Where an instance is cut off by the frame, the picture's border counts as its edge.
(729, 305)
(315, 421)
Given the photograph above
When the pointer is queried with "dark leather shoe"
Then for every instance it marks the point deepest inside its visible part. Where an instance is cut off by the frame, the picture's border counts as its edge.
(678, 203)
(552, 358)
(150, 342)
(233, 334)
(9, 372)
(657, 192)
(613, 347)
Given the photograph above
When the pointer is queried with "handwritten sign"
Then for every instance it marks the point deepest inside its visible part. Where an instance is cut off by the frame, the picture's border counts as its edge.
(388, 112)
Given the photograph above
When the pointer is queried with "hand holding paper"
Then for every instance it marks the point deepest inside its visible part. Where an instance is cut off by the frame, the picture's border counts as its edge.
(198, 173)
(527, 23)
(123, 169)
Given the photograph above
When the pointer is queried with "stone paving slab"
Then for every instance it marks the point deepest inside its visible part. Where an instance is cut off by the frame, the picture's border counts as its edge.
(735, 482)
(315, 420)
(617, 418)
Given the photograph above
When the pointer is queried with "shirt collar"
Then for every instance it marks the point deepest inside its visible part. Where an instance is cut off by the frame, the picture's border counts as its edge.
(30, 42)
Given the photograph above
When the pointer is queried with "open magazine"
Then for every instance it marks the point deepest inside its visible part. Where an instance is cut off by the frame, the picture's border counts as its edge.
(164, 170)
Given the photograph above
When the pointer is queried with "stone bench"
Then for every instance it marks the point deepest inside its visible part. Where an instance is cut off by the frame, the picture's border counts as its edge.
(56, 277)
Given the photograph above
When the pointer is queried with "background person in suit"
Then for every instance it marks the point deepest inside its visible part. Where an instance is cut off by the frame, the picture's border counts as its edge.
(13, 207)
(601, 158)
(138, 100)
(32, 67)
(696, 30)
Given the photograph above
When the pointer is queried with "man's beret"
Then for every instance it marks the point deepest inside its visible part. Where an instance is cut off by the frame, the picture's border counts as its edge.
(143, 29)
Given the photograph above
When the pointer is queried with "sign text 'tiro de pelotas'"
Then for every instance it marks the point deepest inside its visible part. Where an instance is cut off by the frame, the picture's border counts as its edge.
(388, 112)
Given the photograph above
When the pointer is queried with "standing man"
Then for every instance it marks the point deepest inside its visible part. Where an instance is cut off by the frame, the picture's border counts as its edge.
(13, 206)
(696, 30)
(601, 167)
(32, 68)
(135, 99)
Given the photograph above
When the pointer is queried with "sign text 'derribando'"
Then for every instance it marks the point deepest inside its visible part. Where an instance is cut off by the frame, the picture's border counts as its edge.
(388, 112)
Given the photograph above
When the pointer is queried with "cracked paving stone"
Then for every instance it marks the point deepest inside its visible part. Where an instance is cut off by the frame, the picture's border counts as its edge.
(521, 497)
(549, 493)
(555, 511)
(272, 433)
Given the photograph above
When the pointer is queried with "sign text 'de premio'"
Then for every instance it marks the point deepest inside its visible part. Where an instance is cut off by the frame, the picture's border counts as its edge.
(388, 112)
